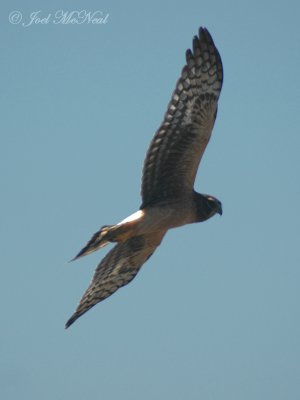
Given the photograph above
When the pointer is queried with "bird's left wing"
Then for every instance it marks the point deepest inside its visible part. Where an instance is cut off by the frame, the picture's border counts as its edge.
(117, 269)
(175, 152)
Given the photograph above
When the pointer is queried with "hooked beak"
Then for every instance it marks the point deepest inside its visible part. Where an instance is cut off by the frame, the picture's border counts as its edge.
(220, 210)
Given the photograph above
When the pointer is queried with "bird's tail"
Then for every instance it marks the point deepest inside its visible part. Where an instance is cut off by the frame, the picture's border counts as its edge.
(106, 234)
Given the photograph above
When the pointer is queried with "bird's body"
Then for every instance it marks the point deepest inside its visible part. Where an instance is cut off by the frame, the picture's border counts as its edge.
(168, 196)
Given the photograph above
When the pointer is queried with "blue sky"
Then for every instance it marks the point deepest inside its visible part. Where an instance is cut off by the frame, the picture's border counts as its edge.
(214, 314)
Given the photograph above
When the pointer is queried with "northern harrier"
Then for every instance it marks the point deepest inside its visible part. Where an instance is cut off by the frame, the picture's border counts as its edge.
(168, 196)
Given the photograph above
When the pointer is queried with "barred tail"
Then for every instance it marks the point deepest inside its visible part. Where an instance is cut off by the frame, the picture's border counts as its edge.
(97, 241)
(106, 234)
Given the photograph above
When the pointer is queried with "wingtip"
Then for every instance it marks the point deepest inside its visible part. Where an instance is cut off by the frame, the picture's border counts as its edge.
(201, 31)
(205, 33)
(70, 322)
(203, 37)
(196, 42)
(189, 55)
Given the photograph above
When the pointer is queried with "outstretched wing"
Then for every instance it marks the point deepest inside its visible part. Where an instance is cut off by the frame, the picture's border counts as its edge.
(175, 152)
(117, 269)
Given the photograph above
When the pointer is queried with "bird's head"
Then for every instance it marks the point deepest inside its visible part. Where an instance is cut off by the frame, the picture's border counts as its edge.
(207, 206)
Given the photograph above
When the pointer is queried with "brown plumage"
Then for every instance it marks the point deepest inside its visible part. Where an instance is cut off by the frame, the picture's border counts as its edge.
(170, 168)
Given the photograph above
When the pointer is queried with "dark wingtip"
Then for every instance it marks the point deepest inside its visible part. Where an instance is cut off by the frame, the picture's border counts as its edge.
(70, 321)
(205, 32)
(203, 37)
(189, 55)
(195, 40)
(201, 31)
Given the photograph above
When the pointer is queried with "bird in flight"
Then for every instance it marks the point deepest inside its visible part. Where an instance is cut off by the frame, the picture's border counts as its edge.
(168, 196)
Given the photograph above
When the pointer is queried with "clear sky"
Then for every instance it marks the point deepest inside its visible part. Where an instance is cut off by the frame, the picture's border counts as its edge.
(214, 314)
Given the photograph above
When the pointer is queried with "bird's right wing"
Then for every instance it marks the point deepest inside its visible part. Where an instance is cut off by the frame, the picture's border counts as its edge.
(175, 152)
(117, 269)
